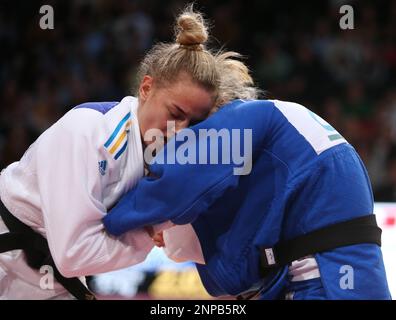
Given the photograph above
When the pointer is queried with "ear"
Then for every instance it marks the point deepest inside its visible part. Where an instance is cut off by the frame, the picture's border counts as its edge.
(145, 87)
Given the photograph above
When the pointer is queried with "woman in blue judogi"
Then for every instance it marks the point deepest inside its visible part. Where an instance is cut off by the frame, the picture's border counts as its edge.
(298, 225)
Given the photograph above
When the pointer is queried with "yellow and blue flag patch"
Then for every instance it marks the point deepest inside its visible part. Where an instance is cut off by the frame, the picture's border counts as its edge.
(118, 141)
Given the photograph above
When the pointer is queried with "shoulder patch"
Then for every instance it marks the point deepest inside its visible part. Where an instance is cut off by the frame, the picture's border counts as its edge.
(118, 140)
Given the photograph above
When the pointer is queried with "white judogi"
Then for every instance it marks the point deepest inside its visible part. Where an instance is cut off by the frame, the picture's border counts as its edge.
(62, 188)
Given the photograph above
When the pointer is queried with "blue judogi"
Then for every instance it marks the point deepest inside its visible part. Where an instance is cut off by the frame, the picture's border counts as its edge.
(305, 176)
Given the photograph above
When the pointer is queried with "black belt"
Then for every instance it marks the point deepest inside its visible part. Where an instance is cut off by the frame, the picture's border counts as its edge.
(356, 231)
(35, 247)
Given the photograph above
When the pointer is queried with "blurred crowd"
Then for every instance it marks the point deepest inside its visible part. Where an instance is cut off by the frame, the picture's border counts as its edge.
(295, 49)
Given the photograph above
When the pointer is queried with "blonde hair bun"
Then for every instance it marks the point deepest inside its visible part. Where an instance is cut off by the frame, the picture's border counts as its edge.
(191, 29)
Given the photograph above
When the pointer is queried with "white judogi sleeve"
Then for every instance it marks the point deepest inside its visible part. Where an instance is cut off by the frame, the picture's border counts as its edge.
(181, 243)
(71, 200)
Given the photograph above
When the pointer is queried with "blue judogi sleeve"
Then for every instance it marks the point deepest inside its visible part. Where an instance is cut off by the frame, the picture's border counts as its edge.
(180, 192)
(295, 187)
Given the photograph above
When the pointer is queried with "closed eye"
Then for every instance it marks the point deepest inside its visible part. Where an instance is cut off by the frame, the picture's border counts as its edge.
(177, 113)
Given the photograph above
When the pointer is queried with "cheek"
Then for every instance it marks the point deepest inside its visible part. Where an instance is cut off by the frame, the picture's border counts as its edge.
(155, 118)
(159, 117)
(148, 111)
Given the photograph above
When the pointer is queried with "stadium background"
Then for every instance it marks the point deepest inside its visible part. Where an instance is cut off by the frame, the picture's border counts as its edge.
(296, 51)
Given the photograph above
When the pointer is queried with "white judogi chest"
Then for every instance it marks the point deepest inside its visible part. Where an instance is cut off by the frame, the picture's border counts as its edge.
(64, 185)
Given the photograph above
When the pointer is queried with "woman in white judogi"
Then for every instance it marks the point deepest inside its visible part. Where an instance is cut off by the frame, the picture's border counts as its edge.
(78, 168)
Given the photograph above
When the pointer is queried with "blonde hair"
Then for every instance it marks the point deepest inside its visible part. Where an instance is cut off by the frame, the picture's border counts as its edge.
(236, 81)
(188, 54)
(221, 73)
